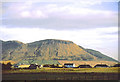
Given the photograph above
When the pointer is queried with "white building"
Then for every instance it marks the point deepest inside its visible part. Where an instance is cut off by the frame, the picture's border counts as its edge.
(69, 65)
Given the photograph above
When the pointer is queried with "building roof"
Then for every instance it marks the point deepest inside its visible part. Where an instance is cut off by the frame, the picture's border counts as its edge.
(85, 66)
(101, 65)
(68, 63)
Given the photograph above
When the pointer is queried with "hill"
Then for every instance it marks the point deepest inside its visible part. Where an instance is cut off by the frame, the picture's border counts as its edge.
(99, 55)
(49, 51)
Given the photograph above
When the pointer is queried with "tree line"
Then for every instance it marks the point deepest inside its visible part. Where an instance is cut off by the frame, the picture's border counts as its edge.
(6, 66)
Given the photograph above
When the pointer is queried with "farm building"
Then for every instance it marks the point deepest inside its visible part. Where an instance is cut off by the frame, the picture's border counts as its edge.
(55, 66)
(15, 66)
(116, 65)
(46, 65)
(84, 66)
(33, 66)
(69, 65)
(23, 66)
(50, 66)
(100, 66)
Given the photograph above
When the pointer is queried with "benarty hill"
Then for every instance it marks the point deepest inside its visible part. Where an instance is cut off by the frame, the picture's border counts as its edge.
(49, 51)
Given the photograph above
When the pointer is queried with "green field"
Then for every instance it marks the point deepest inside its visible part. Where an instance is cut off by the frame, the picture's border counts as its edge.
(64, 70)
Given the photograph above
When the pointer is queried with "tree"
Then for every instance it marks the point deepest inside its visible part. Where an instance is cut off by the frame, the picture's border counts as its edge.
(6, 66)
(9, 65)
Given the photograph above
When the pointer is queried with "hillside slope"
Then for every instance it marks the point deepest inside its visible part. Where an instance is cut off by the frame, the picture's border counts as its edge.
(47, 51)
(99, 55)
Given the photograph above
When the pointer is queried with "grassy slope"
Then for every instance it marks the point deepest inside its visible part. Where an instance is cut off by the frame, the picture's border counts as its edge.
(99, 55)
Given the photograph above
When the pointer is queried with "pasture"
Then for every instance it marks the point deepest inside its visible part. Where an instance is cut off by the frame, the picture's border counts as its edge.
(112, 73)
(74, 70)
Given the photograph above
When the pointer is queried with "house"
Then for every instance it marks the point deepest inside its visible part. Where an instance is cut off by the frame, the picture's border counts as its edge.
(60, 66)
(23, 66)
(69, 65)
(84, 66)
(33, 66)
(40, 66)
(100, 66)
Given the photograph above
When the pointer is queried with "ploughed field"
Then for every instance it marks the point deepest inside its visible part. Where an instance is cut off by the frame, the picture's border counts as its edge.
(112, 73)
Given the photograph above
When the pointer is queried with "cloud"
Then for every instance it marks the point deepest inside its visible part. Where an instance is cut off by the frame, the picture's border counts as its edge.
(57, 16)
(34, 14)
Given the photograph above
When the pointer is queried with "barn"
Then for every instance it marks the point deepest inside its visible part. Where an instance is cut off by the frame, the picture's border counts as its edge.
(100, 66)
(84, 66)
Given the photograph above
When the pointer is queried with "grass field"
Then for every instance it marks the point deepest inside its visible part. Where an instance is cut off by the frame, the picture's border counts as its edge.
(65, 70)
(63, 74)
(112, 73)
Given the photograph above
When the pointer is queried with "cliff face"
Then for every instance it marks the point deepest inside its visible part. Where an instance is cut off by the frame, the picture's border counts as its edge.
(49, 50)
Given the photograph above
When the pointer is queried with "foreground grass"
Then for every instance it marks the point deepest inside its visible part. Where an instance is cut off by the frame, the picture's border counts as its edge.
(67, 70)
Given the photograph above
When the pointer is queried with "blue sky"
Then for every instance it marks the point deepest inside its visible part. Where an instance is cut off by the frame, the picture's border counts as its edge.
(89, 24)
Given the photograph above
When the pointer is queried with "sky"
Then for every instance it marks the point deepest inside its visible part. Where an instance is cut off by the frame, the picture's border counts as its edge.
(89, 24)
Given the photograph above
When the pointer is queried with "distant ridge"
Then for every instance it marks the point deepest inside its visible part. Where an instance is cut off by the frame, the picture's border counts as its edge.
(49, 51)
(52, 40)
(100, 55)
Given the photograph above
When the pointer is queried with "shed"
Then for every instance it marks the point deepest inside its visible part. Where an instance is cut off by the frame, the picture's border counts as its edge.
(69, 65)
(100, 66)
(84, 66)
